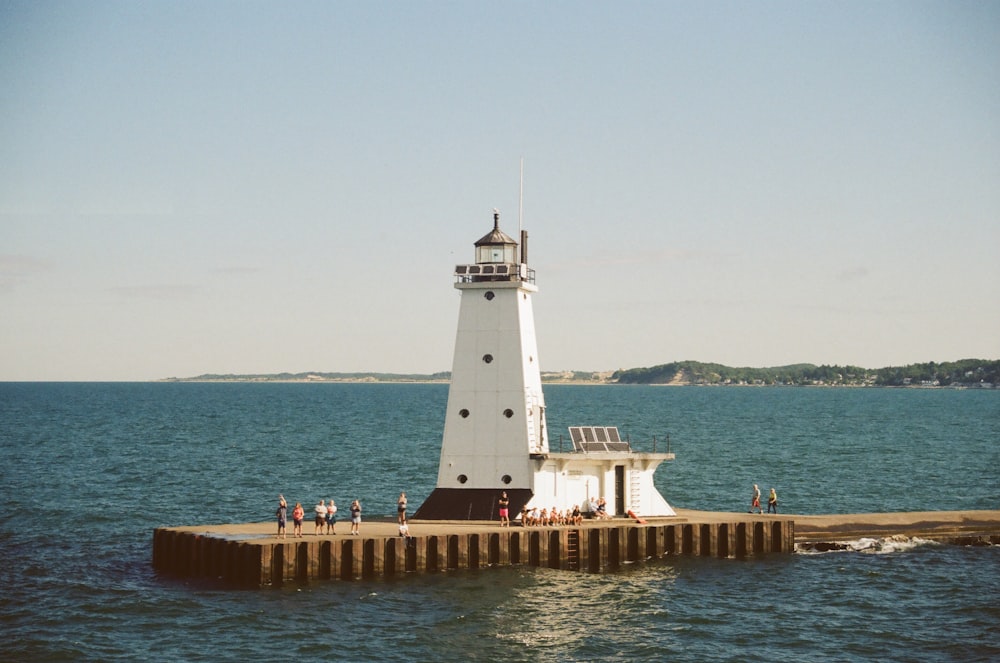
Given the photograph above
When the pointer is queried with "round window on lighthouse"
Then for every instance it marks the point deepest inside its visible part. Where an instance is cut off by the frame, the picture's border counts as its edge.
(488, 358)
(508, 413)
(489, 295)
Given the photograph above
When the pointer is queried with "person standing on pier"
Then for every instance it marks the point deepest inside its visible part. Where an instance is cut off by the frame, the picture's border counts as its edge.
(755, 501)
(504, 503)
(772, 502)
(282, 514)
(320, 517)
(298, 514)
(331, 518)
(401, 508)
(356, 517)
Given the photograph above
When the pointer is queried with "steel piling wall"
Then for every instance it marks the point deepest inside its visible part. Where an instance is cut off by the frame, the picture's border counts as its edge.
(594, 549)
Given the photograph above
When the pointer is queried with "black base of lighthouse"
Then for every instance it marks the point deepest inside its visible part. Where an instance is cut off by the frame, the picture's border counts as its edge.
(471, 503)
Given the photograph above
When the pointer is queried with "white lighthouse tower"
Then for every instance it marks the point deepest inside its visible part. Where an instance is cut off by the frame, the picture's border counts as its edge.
(495, 436)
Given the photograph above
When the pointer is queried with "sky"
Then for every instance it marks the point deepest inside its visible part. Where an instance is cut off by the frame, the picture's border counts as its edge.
(259, 187)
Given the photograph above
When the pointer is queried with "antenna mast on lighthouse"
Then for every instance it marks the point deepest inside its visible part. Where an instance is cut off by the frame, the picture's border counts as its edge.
(520, 201)
(520, 213)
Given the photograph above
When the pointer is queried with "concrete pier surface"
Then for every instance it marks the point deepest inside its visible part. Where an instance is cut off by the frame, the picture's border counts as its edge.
(931, 525)
(250, 554)
(953, 526)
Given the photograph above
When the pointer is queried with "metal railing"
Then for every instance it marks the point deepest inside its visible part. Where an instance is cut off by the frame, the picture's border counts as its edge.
(488, 272)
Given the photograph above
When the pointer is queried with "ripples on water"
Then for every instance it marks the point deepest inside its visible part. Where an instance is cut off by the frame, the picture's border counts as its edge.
(91, 469)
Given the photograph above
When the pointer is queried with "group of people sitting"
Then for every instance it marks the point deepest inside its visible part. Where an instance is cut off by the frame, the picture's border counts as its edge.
(536, 517)
(541, 518)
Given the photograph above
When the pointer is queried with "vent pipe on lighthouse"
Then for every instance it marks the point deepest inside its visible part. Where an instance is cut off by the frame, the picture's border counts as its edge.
(520, 216)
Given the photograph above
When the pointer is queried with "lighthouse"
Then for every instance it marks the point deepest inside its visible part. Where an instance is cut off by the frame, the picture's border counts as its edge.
(495, 436)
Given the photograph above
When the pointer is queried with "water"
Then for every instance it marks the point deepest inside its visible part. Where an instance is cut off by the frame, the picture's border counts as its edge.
(90, 469)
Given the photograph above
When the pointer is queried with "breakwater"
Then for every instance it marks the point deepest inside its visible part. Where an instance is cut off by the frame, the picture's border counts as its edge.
(253, 559)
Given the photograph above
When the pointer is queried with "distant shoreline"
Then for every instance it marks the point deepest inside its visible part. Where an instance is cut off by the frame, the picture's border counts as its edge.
(579, 383)
(961, 374)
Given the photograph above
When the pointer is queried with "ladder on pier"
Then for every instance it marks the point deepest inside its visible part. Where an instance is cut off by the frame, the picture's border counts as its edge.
(573, 550)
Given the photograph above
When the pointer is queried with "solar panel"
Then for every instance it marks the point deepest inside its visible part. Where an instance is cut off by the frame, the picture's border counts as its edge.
(597, 439)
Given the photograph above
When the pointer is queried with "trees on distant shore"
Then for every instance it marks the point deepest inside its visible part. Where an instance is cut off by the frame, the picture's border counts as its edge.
(965, 372)
(971, 372)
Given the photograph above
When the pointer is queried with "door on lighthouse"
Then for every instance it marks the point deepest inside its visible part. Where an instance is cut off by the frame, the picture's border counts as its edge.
(619, 490)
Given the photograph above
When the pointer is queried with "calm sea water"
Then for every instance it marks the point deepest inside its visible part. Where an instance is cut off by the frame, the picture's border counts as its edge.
(90, 469)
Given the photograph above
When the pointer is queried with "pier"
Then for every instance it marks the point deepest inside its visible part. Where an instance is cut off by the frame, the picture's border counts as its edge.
(250, 555)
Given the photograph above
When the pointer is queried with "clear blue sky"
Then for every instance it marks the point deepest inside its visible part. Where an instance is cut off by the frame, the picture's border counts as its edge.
(247, 187)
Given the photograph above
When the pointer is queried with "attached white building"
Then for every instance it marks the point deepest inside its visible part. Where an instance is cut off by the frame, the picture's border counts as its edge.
(495, 436)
